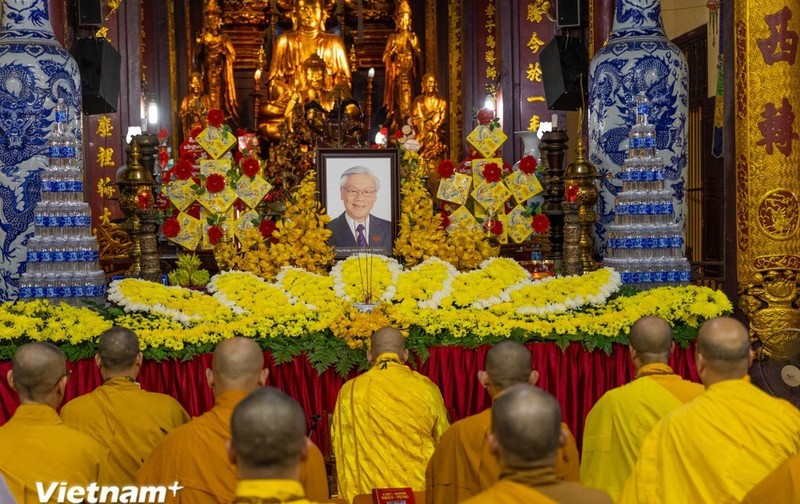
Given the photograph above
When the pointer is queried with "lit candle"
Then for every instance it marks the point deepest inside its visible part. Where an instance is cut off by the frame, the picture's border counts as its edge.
(371, 73)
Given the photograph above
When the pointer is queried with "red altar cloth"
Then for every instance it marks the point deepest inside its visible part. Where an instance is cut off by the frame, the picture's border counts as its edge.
(576, 377)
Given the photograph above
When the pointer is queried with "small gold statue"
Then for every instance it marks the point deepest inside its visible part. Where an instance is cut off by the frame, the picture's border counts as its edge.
(217, 54)
(194, 107)
(401, 56)
(286, 76)
(428, 113)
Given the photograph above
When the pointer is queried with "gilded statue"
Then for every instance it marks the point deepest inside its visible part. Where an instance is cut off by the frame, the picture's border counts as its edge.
(286, 76)
(217, 55)
(428, 113)
(401, 56)
(194, 107)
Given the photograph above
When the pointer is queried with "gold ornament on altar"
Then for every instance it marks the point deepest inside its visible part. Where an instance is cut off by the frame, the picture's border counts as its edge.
(195, 106)
(291, 50)
(428, 114)
(580, 178)
(218, 55)
(134, 182)
(401, 57)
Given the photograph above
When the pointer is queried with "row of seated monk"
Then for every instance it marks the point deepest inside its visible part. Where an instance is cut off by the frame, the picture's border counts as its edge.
(657, 439)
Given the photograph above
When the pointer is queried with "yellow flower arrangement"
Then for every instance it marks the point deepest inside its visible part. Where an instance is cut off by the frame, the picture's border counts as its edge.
(426, 284)
(366, 278)
(40, 320)
(483, 287)
(184, 305)
(355, 327)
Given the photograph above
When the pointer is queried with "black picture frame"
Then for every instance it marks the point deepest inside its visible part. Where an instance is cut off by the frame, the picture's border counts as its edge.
(385, 166)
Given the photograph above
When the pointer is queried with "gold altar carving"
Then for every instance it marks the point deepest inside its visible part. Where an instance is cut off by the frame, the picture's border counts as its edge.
(584, 175)
(767, 156)
(217, 56)
(428, 113)
(454, 42)
(133, 179)
(195, 106)
(286, 79)
(401, 59)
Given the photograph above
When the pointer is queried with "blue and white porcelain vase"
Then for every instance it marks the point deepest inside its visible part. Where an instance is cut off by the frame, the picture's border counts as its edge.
(637, 58)
(35, 71)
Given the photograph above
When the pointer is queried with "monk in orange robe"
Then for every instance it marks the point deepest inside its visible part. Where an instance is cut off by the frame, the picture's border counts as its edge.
(619, 421)
(387, 422)
(463, 464)
(35, 445)
(267, 445)
(125, 419)
(526, 427)
(722, 444)
(195, 454)
(782, 485)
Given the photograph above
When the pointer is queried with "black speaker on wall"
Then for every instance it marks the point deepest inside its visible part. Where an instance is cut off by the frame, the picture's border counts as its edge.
(568, 13)
(90, 13)
(564, 60)
(99, 64)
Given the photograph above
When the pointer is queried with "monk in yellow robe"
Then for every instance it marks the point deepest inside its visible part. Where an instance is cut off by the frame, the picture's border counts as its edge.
(525, 435)
(386, 422)
(619, 421)
(719, 446)
(463, 464)
(267, 445)
(195, 454)
(35, 445)
(128, 421)
(781, 485)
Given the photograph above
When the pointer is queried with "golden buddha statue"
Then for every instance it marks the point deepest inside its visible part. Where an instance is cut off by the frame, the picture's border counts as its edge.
(401, 56)
(287, 77)
(194, 106)
(217, 54)
(428, 113)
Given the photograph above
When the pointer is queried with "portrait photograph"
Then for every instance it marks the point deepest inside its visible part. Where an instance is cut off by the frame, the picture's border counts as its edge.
(360, 189)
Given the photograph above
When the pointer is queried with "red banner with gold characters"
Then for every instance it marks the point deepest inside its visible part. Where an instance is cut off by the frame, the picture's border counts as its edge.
(535, 31)
(767, 159)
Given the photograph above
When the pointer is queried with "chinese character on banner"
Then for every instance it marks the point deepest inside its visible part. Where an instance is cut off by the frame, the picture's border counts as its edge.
(535, 43)
(534, 73)
(105, 157)
(534, 124)
(104, 127)
(536, 11)
(777, 128)
(781, 45)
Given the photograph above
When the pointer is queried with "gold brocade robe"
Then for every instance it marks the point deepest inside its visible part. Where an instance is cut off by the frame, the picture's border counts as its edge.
(386, 424)
(291, 51)
(196, 457)
(270, 491)
(620, 420)
(35, 445)
(128, 421)
(716, 448)
(781, 485)
(463, 465)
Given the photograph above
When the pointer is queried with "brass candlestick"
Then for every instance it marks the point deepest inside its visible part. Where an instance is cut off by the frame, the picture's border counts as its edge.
(583, 174)
(133, 180)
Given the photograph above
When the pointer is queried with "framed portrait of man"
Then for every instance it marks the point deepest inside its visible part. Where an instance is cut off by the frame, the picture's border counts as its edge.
(360, 189)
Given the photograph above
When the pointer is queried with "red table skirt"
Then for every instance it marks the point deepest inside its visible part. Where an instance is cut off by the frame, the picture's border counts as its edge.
(575, 376)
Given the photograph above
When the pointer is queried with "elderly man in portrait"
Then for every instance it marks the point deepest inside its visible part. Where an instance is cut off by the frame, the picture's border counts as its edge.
(356, 228)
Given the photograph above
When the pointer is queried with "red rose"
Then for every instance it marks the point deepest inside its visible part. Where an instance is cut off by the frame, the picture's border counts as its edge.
(163, 157)
(485, 115)
(240, 132)
(528, 164)
(144, 199)
(194, 210)
(250, 167)
(491, 172)
(237, 157)
(384, 131)
(540, 223)
(183, 170)
(195, 131)
(162, 134)
(215, 183)
(214, 234)
(215, 118)
(398, 134)
(267, 228)
(571, 193)
(171, 227)
(445, 219)
(496, 227)
(166, 177)
(446, 169)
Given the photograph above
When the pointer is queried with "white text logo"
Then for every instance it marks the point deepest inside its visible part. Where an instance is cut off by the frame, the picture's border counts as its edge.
(94, 493)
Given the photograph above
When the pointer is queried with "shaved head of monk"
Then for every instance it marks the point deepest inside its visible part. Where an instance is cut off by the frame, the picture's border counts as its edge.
(118, 353)
(237, 364)
(723, 350)
(651, 341)
(39, 374)
(387, 340)
(507, 363)
(526, 427)
(268, 430)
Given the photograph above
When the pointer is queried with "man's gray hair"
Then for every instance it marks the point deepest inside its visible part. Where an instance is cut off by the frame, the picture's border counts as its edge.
(358, 170)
